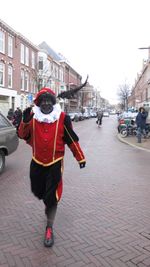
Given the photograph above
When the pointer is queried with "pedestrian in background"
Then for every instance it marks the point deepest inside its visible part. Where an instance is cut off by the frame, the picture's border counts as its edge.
(10, 114)
(17, 117)
(47, 129)
(141, 124)
(99, 117)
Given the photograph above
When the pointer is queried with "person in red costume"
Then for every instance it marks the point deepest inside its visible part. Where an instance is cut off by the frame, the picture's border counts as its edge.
(47, 129)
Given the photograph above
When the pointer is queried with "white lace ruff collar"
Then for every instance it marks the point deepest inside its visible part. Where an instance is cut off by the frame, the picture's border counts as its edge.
(48, 118)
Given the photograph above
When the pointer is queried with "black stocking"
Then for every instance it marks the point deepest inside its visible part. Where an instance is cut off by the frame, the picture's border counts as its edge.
(50, 213)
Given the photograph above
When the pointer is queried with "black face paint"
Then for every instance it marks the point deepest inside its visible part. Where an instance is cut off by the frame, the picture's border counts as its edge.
(46, 106)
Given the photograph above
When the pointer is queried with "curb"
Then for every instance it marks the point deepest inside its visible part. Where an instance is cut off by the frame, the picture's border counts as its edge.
(130, 144)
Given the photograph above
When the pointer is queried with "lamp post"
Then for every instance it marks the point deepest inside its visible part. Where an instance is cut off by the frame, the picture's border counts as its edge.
(82, 102)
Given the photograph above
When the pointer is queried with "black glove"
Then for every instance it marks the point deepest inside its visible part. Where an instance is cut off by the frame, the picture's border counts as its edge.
(82, 164)
(27, 115)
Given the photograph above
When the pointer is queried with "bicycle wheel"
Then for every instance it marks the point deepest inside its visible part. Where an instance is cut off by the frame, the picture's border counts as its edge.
(124, 133)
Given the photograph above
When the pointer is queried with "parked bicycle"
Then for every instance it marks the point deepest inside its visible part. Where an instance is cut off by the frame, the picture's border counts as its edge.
(131, 130)
(128, 130)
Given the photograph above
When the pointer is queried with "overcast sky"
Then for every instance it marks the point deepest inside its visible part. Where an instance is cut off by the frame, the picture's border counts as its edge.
(98, 37)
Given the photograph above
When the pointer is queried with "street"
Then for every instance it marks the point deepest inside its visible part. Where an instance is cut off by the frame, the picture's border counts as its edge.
(103, 218)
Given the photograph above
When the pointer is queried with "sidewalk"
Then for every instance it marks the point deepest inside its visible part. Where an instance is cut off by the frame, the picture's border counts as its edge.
(132, 141)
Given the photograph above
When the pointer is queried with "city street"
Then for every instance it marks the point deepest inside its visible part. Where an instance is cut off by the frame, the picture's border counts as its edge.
(103, 218)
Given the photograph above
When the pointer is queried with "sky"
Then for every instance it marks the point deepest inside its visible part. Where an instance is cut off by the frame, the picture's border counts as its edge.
(100, 38)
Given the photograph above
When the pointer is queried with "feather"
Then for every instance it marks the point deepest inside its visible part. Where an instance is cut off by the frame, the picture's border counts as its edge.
(71, 93)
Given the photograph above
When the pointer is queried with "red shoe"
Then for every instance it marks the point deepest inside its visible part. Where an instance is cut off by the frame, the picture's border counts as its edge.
(49, 239)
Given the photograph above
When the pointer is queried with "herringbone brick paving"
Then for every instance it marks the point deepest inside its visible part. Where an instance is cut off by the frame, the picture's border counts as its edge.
(103, 218)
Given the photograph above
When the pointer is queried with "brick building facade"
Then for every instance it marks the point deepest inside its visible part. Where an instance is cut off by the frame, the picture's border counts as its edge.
(18, 60)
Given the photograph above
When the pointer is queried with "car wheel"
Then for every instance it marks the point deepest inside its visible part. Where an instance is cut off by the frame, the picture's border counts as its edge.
(2, 161)
(124, 133)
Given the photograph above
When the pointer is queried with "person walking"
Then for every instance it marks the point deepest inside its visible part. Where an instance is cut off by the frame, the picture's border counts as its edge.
(141, 124)
(99, 117)
(47, 129)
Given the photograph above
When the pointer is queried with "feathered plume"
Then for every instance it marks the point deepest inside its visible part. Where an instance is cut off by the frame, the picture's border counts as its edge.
(70, 93)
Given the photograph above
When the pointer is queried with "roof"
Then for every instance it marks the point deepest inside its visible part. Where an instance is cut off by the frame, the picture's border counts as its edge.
(5, 26)
(50, 51)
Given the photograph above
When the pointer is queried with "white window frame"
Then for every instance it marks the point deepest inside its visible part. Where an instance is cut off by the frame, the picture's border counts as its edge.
(22, 53)
(32, 90)
(26, 81)
(26, 56)
(22, 80)
(33, 85)
(10, 76)
(2, 42)
(2, 74)
(10, 46)
(33, 60)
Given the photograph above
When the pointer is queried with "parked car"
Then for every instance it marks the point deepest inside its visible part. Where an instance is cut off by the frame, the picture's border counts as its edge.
(112, 112)
(76, 117)
(72, 115)
(93, 114)
(81, 117)
(86, 115)
(105, 114)
(8, 140)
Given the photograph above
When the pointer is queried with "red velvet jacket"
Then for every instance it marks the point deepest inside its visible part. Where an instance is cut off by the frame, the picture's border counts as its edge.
(48, 140)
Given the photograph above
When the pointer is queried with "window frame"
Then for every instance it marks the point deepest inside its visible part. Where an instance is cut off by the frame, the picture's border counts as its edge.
(2, 42)
(10, 76)
(33, 60)
(22, 80)
(3, 74)
(26, 56)
(26, 81)
(10, 46)
(22, 59)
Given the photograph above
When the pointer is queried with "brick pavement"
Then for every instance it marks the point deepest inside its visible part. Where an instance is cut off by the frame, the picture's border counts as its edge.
(103, 218)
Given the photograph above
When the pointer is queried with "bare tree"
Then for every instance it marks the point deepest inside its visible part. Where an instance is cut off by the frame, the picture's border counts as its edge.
(42, 75)
(124, 92)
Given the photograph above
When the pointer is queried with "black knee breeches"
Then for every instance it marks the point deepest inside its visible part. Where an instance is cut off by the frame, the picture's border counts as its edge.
(44, 181)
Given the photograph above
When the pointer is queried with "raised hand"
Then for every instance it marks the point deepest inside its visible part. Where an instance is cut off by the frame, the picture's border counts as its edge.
(27, 115)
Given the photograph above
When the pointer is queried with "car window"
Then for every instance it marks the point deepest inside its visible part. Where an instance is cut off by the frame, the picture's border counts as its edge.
(3, 122)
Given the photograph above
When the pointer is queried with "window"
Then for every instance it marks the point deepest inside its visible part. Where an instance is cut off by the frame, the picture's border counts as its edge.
(3, 122)
(10, 46)
(40, 63)
(26, 81)
(56, 72)
(33, 60)
(2, 74)
(10, 76)
(61, 75)
(2, 42)
(22, 53)
(22, 102)
(27, 56)
(33, 85)
(22, 79)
